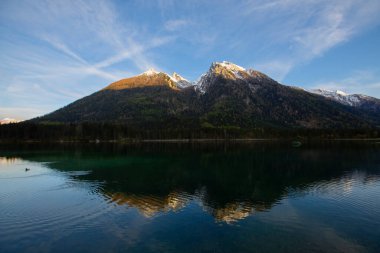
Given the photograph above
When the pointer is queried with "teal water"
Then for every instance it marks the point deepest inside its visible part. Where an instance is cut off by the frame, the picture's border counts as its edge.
(258, 197)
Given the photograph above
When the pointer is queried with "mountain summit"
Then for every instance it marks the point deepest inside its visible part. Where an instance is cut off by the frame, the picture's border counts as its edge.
(226, 96)
(150, 77)
(228, 70)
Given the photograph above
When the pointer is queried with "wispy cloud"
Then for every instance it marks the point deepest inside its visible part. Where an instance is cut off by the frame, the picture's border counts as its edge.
(310, 28)
(53, 52)
(135, 53)
(175, 24)
(66, 40)
(56, 43)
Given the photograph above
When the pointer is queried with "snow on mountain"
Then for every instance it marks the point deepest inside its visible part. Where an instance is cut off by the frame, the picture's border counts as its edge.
(227, 70)
(176, 77)
(8, 121)
(150, 72)
(232, 71)
(202, 83)
(226, 95)
(230, 66)
(150, 77)
(340, 96)
(180, 81)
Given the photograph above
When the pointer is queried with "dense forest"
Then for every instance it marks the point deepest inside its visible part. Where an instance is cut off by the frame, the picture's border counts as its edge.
(86, 132)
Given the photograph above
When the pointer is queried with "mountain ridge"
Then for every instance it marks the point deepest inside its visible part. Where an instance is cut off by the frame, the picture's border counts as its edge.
(228, 70)
(362, 102)
(148, 78)
(227, 95)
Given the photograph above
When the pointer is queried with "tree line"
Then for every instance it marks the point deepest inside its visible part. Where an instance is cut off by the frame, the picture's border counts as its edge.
(90, 131)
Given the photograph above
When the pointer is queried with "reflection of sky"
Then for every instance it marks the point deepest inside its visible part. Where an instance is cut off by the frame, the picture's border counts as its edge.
(293, 214)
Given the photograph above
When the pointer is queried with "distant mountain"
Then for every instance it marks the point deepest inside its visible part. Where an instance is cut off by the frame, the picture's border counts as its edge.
(227, 96)
(8, 121)
(362, 102)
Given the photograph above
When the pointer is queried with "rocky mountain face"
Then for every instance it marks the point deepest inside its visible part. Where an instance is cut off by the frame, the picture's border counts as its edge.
(227, 96)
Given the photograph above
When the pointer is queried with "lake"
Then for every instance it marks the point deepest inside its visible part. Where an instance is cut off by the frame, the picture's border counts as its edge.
(224, 197)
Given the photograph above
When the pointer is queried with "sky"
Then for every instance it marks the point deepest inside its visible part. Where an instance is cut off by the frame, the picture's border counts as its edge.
(55, 52)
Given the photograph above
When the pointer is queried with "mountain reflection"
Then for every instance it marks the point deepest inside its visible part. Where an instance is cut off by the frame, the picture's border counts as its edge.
(9, 160)
(229, 183)
(150, 205)
(232, 212)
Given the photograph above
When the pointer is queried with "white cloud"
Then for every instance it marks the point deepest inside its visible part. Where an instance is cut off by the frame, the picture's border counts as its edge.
(175, 24)
(57, 48)
(311, 28)
(87, 24)
(56, 43)
(135, 52)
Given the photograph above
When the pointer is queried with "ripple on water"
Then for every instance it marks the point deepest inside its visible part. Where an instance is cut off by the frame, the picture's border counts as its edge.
(30, 222)
(30, 210)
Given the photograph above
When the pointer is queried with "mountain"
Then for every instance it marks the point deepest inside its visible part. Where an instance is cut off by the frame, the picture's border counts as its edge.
(362, 102)
(226, 96)
(150, 78)
(8, 121)
(151, 99)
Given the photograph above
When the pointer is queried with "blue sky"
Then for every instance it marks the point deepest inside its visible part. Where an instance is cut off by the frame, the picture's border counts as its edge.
(54, 52)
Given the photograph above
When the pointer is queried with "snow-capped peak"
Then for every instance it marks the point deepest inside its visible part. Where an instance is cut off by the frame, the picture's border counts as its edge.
(180, 81)
(225, 69)
(176, 77)
(228, 70)
(151, 72)
(342, 93)
(228, 65)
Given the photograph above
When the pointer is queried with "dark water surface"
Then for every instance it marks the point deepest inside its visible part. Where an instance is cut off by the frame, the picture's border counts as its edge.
(258, 197)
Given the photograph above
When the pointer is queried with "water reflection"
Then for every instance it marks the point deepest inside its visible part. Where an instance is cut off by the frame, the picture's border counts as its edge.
(9, 160)
(230, 183)
(170, 198)
(150, 205)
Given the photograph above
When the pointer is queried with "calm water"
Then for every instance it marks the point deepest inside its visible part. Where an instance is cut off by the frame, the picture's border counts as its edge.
(260, 197)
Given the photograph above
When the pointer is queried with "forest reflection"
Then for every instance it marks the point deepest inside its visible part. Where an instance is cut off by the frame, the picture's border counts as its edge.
(230, 183)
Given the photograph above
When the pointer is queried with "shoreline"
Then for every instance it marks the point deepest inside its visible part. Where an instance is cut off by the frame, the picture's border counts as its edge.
(201, 140)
